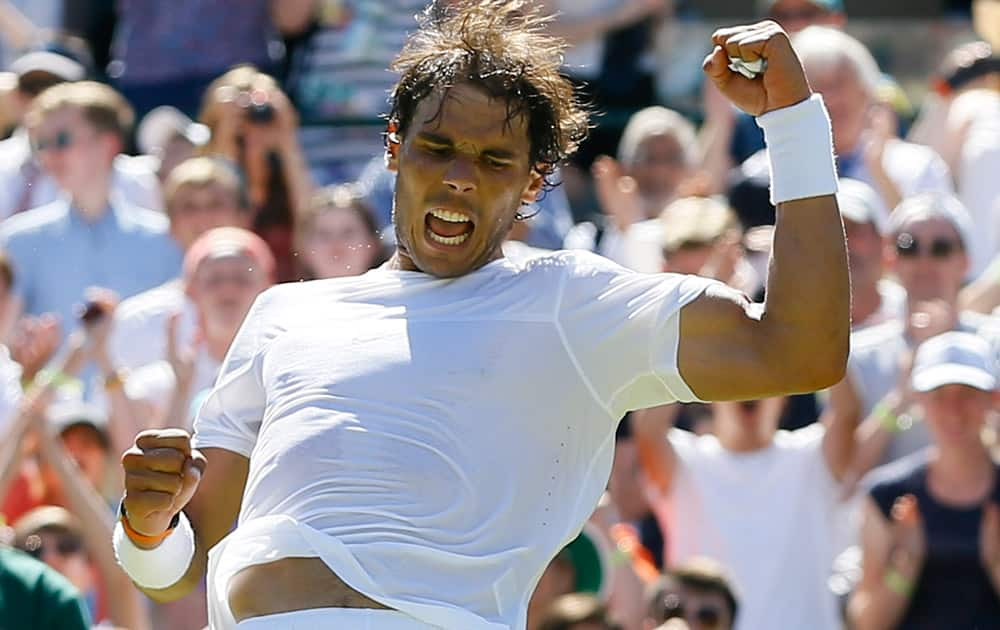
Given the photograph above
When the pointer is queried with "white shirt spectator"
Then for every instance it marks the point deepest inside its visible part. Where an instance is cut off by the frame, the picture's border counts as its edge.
(10, 387)
(357, 384)
(772, 516)
(153, 384)
(139, 335)
(977, 112)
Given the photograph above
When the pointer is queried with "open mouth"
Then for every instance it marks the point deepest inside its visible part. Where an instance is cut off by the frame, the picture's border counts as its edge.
(448, 227)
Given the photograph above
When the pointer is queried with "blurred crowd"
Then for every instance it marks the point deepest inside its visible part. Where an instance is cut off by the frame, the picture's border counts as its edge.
(165, 162)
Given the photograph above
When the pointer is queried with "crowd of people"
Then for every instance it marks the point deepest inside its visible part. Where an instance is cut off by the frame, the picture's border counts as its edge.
(156, 179)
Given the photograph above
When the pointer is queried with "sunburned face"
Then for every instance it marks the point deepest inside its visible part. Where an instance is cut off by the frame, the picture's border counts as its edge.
(463, 172)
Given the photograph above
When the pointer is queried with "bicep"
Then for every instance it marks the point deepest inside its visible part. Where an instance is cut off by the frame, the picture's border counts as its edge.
(216, 504)
(721, 352)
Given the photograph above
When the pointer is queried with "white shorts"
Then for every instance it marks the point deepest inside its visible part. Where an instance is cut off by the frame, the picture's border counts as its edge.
(347, 618)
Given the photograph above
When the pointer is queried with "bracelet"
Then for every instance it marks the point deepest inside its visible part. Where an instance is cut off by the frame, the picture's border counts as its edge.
(115, 380)
(887, 419)
(800, 151)
(162, 566)
(53, 378)
(898, 583)
(135, 536)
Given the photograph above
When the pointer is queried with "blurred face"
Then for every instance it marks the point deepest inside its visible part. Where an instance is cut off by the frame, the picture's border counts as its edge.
(176, 151)
(846, 100)
(699, 609)
(955, 415)
(795, 15)
(64, 552)
(749, 421)
(84, 446)
(864, 253)
(688, 258)
(927, 257)
(339, 244)
(223, 289)
(659, 167)
(463, 172)
(195, 210)
(72, 150)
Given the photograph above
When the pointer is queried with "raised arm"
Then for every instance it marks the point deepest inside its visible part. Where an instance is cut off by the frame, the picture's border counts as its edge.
(797, 341)
(656, 455)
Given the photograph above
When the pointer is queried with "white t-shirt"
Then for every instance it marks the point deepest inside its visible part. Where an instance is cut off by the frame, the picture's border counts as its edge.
(139, 335)
(978, 185)
(437, 441)
(772, 517)
(154, 384)
(10, 387)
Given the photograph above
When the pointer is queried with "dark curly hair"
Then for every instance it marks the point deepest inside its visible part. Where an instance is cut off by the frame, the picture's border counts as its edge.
(502, 47)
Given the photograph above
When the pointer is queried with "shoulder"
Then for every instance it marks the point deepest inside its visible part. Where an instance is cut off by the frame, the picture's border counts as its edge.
(912, 155)
(877, 336)
(142, 220)
(986, 325)
(166, 298)
(36, 221)
(806, 438)
(20, 571)
(905, 475)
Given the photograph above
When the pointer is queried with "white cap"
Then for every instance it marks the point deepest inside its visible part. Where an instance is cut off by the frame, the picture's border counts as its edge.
(860, 203)
(165, 122)
(955, 358)
(934, 205)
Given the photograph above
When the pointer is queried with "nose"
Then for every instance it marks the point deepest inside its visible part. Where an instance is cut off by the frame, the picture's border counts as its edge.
(461, 175)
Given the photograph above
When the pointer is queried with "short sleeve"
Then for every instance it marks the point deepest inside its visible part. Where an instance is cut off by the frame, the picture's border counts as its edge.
(232, 412)
(622, 329)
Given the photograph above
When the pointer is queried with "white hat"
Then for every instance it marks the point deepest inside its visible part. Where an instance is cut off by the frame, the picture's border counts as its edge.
(860, 203)
(954, 358)
(934, 205)
(162, 124)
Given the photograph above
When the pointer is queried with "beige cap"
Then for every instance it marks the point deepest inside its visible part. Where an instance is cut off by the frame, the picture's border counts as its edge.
(695, 221)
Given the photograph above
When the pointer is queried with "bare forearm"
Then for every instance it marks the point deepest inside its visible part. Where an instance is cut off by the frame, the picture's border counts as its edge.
(876, 608)
(807, 305)
(713, 141)
(17, 30)
(297, 177)
(650, 428)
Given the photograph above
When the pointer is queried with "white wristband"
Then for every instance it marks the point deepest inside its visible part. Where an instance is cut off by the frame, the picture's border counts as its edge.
(160, 567)
(800, 150)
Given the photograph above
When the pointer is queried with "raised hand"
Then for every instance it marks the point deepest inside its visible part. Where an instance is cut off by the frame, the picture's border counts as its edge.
(910, 542)
(182, 358)
(34, 342)
(162, 472)
(783, 83)
(617, 193)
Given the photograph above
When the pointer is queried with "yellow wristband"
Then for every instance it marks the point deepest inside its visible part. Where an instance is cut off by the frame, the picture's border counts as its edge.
(898, 583)
(886, 418)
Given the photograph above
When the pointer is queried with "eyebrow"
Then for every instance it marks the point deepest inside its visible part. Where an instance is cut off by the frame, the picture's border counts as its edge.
(493, 152)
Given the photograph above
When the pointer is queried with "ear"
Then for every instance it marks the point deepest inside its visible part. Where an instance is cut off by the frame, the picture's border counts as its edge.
(535, 183)
(392, 144)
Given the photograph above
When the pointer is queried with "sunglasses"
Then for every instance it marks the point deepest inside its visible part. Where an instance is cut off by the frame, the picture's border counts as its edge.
(61, 140)
(65, 546)
(909, 247)
(707, 616)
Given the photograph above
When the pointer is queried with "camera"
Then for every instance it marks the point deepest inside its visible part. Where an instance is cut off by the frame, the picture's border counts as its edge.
(91, 312)
(260, 113)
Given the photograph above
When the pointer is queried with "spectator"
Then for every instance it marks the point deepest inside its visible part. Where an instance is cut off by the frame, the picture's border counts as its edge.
(874, 298)
(931, 532)
(583, 566)
(168, 137)
(576, 611)
(337, 236)
(926, 252)
(961, 120)
(202, 193)
(90, 238)
(224, 271)
(33, 595)
(656, 158)
(253, 125)
(26, 181)
(763, 502)
(795, 15)
(698, 591)
(23, 22)
(166, 54)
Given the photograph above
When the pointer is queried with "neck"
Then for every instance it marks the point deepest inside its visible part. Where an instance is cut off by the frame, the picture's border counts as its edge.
(739, 440)
(92, 203)
(865, 301)
(218, 345)
(961, 476)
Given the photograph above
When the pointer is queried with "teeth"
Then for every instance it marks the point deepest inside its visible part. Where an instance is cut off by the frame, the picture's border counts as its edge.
(447, 240)
(449, 216)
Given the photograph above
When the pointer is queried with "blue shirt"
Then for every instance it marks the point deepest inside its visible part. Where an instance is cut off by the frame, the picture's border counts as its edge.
(57, 254)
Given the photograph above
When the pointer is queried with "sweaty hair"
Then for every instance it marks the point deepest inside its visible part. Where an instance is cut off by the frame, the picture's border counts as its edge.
(500, 46)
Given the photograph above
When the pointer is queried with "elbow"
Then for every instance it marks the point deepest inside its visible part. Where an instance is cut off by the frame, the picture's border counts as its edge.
(816, 364)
